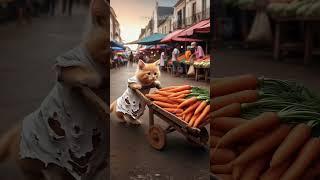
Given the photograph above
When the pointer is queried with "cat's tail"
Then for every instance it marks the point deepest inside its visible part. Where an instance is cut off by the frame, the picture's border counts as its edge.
(6, 140)
(113, 106)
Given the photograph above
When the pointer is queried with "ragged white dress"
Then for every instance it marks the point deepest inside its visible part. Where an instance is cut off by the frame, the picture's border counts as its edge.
(64, 130)
(130, 103)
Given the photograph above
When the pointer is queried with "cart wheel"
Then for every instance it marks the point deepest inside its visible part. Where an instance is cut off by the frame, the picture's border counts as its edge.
(204, 135)
(157, 137)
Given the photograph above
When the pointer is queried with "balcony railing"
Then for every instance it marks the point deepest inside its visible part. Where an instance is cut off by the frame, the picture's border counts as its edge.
(182, 23)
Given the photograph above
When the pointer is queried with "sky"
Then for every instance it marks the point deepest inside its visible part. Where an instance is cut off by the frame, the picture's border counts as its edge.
(134, 15)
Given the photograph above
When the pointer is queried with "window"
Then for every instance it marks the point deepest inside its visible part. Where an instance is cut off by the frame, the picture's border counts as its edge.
(194, 6)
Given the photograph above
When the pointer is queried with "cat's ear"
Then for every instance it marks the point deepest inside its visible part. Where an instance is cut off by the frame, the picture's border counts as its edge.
(141, 64)
(157, 63)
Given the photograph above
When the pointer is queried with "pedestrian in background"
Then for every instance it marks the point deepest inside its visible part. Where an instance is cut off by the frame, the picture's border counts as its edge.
(64, 6)
(198, 50)
(162, 59)
(131, 59)
(174, 58)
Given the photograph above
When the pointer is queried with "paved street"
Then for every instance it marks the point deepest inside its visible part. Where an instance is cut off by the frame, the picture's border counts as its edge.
(26, 74)
(235, 61)
(131, 155)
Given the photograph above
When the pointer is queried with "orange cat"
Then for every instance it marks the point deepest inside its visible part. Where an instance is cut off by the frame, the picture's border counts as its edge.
(129, 107)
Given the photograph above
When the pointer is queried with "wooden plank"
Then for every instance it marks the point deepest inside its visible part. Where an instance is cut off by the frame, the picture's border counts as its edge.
(151, 117)
(183, 130)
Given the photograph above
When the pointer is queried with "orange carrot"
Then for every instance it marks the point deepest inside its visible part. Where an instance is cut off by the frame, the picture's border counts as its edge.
(222, 156)
(178, 100)
(188, 117)
(217, 133)
(232, 110)
(164, 93)
(263, 121)
(192, 107)
(151, 96)
(255, 168)
(182, 96)
(193, 119)
(180, 93)
(313, 171)
(188, 102)
(163, 99)
(308, 153)
(181, 88)
(183, 116)
(275, 172)
(237, 171)
(293, 142)
(264, 145)
(221, 168)
(201, 107)
(165, 105)
(214, 140)
(168, 88)
(202, 116)
(234, 84)
(246, 96)
(226, 123)
(174, 110)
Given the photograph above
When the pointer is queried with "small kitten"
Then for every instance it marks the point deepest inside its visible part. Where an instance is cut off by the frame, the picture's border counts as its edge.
(130, 107)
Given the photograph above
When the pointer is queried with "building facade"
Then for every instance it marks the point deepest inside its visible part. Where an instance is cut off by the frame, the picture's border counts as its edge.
(115, 34)
(189, 12)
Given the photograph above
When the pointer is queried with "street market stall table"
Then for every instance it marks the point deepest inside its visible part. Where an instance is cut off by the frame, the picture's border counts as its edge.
(306, 45)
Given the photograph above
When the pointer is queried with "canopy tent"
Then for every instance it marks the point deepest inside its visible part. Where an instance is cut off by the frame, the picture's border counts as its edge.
(175, 37)
(203, 29)
(116, 44)
(189, 31)
(150, 40)
(116, 48)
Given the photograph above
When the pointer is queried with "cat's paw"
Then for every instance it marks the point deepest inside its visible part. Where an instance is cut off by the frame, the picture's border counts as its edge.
(136, 122)
(136, 86)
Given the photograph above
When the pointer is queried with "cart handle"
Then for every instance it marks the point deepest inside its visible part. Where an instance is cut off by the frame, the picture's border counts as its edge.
(101, 107)
(149, 102)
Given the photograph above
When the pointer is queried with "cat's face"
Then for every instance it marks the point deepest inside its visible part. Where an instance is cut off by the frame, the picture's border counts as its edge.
(148, 73)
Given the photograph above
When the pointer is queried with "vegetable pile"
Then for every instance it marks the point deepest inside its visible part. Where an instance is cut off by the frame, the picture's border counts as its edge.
(190, 104)
(203, 62)
(264, 129)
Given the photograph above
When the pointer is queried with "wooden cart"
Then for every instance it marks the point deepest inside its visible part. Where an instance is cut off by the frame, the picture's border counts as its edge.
(157, 135)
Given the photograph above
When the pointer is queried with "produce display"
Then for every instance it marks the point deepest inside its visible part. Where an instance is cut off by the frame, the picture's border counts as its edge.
(190, 104)
(202, 63)
(264, 129)
(295, 8)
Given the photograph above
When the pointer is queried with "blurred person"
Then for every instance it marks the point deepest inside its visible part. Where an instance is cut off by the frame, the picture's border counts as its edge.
(131, 59)
(163, 56)
(198, 50)
(174, 58)
(188, 53)
(65, 138)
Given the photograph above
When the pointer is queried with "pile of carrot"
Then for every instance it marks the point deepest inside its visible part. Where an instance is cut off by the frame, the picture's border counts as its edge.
(258, 131)
(190, 104)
